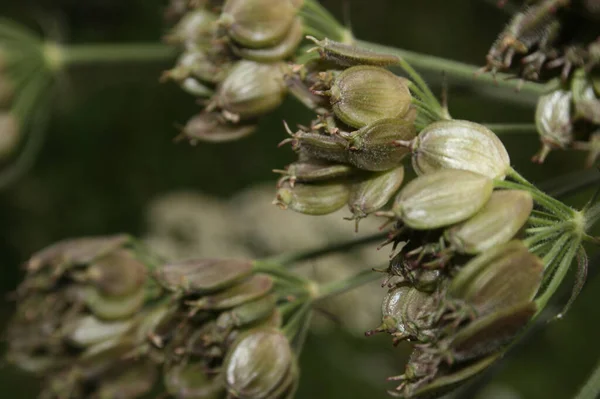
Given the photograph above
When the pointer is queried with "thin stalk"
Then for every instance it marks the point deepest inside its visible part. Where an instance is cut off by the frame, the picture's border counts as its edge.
(83, 54)
(288, 260)
(466, 74)
(315, 8)
(591, 388)
(340, 286)
(551, 204)
(541, 221)
(559, 274)
(512, 128)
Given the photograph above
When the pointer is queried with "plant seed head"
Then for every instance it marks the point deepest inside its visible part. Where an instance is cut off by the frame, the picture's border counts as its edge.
(373, 147)
(442, 198)
(252, 89)
(362, 95)
(495, 224)
(313, 199)
(258, 23)
(455, 144)
(259, 363)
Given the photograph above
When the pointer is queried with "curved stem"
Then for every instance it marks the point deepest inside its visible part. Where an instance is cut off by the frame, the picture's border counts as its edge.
(341, 286)
(512, 128)
(591, 389)
(287, 260)
(466, 74)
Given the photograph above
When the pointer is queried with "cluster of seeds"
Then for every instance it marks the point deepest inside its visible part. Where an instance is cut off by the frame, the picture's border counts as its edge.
(100, 318)
(347, 156)
(234, 53)
(570, 119)
(535, 34)
(473, 240)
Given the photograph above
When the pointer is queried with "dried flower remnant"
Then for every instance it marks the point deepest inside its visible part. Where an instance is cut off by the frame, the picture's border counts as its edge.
(554, 122)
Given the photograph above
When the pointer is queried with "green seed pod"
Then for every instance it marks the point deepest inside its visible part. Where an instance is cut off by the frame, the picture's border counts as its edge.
(132, 381)
(454, 144)
(89, 331)
(446, 381)
(326, 147)
(195, 28)
(198, 64)
(587, 105)
(212, 128)
(281, 51)
(10, 133)
(442, 198)
(117, 273)
(372, 147)
(258, 23)
(252, 288)
(77, 251)
(503, 276)
(203, 276)
(247, 313)
(496, 223)
(373, 193)
(314, 171)
(405, 312)
(195, 88)
(347, 55)
(251, 90)
(112, 308)
(191, 381)
(362, 95)
(258, 364)
(553, 122)
(489, 333)
(313, 199)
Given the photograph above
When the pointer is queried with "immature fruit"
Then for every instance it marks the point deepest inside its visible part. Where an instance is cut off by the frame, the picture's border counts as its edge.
(258, 23)
(203, 276)
(504, 276)
(326, 147)
(314, 171)
(347, 55)
(364, 94)
(195, 28)
(190, 380)
(212, 128)
(496, 223)
(553, 122)
(313, 199)
(259, 364)
(254, 287)
(455, 144)
(252, 89)
(373, 148)
(282, 50)
(374, 192)
(442, 198)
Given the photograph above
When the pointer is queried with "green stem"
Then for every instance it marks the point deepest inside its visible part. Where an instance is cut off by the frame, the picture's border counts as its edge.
(465, 74)
(591, 389)
(340, 286)
(287, 260)
(558, 208)
(559, 274)
(59, 57)
(512, 128)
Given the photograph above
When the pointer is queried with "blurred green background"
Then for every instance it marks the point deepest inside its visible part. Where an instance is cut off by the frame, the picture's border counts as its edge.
(109, 151)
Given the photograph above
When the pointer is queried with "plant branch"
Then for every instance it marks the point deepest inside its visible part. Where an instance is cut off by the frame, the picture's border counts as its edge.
(289, 259)
(591, 389)
(340, 286)
(499, 86)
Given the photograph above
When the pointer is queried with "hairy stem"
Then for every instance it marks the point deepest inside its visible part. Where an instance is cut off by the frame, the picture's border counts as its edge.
(461, 73)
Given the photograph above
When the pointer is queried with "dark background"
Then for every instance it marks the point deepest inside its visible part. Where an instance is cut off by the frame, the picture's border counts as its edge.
(109, 151)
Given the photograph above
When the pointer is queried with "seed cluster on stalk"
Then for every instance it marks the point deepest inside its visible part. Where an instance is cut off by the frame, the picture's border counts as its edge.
(102, 318)
(478, 250)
